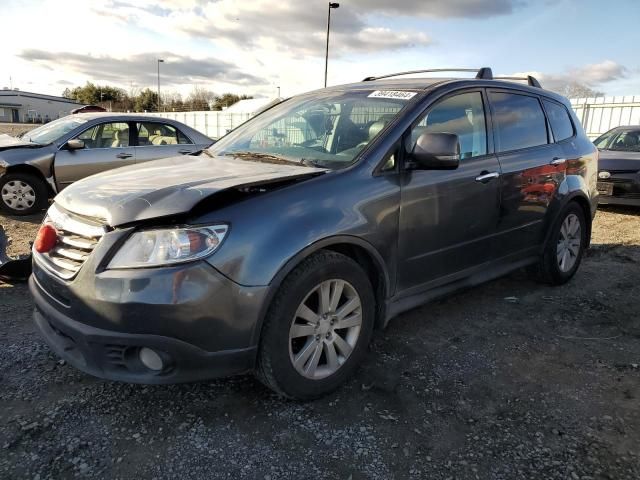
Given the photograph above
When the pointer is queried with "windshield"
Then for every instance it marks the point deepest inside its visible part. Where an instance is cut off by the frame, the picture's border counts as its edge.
(625, 141)
(327, 129)
(53, 131)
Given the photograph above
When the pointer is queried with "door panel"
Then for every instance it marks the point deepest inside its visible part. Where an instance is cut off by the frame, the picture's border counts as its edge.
(532, 168)
(529, 183)
(447, 221)
(106, 147)
(161, 140)
(448, 217)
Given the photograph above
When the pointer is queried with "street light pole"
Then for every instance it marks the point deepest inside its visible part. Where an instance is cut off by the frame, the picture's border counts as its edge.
(326, 55)
(159, 101)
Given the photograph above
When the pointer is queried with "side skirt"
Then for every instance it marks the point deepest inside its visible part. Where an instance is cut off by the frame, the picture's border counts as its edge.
(460, 281)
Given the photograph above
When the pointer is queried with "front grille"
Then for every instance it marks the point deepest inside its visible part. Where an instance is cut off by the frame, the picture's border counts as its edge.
(617, 180)
(630, 195)
(77, 237)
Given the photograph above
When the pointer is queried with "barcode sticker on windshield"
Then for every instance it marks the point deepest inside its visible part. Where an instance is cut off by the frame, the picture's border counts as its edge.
(397, 94)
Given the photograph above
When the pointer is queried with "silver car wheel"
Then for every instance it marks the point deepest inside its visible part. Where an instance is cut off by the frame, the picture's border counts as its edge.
(569, 243)
(18, 195)
(325, 329)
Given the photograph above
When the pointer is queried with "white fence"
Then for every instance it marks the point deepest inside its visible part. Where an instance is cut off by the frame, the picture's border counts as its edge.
(597, 116)
(212, 124)
(601, 114)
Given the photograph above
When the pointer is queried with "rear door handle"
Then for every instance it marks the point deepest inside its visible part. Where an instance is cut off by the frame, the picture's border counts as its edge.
(124, 155)
(185, 152)
(558, 161)
(485, 177)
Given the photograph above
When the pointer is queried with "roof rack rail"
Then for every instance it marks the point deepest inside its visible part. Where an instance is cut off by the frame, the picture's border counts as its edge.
(484, 73)
(531, 81)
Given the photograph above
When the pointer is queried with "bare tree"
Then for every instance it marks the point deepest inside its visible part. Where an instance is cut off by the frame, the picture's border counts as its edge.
(579, 90)
(200, 99)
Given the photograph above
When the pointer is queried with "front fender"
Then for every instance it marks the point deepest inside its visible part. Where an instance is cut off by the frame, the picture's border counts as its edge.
(270, 232)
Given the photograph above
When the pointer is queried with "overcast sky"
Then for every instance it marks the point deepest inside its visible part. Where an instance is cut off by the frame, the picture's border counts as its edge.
(253, 46)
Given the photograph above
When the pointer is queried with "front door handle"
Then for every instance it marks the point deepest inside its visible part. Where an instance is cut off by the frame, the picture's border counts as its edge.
(185, 152)
(124, 155)
(485, 177)
(558, 161)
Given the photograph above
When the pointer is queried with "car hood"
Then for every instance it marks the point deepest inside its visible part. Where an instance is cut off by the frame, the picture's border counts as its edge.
(617, 160)
(168, 187)
(7, 142)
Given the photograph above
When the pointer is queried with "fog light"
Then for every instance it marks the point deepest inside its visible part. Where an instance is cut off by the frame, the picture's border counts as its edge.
(150, 359)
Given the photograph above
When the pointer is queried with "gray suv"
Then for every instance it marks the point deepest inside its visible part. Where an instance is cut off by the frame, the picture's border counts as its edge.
(49, 158)
(281, 248)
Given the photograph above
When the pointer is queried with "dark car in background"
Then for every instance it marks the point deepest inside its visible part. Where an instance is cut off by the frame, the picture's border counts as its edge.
(282, 247)
(619, 166)
(43, 161)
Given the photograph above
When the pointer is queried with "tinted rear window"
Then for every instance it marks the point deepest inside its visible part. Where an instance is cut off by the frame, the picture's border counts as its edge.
(520, 122)
(558, 116)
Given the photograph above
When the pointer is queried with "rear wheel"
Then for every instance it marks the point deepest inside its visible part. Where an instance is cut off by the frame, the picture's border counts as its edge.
(565, 248)
(318, 327)
(22, 194)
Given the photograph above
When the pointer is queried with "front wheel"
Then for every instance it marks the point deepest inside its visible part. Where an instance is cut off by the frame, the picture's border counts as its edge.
(317, 328)
(564, 250)
(22, 194)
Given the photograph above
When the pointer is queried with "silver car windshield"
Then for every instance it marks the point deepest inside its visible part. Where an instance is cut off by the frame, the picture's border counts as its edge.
(327, 129)
(52, 131)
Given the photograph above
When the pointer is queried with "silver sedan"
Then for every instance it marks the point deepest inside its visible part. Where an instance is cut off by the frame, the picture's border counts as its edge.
(47, 159)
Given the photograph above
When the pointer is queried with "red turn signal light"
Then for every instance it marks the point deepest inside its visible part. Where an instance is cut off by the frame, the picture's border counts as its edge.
(46, 239)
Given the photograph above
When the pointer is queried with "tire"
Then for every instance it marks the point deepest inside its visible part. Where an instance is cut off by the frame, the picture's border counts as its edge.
(551, 269)
(22, 194)
(280, 346)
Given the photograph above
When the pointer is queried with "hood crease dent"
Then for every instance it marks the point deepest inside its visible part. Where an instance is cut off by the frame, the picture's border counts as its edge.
(167, 187)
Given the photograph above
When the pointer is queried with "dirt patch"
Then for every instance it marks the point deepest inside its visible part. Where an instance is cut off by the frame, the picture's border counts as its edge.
(512, 379)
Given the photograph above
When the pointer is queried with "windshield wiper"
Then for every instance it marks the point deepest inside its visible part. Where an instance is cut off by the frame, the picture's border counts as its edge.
(309, 162)
(265, 156)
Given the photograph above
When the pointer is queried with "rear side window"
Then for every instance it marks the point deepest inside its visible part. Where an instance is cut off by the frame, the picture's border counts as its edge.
(520, 121)
(151, 133)
(558, 116)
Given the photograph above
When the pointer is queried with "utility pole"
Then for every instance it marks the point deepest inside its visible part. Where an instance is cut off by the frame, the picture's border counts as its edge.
(326, 55)
(159, 101)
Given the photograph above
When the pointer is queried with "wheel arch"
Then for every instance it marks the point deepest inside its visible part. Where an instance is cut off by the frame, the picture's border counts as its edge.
(31, 170)
(359, 250)
(581, 200)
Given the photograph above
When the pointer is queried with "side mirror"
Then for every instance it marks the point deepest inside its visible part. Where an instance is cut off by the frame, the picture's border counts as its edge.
(436, 151)
(75, 144)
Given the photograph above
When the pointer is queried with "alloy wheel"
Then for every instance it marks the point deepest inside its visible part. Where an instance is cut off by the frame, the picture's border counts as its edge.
(569, 243)
(325, 329)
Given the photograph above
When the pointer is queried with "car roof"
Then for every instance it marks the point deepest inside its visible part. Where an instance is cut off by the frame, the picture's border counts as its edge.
(430, 84)
(626, 127)
(122, 115)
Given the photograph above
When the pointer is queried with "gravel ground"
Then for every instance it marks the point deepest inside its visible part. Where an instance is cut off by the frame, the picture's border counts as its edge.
(509, 380)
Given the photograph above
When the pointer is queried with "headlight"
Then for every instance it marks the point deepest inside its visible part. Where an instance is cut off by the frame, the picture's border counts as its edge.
(153, 248)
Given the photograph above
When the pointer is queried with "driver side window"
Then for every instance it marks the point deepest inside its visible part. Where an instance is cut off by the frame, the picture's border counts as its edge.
(461, 114)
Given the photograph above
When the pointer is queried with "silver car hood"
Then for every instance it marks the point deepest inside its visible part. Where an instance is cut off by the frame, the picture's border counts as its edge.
(167, 187)
(7, 142)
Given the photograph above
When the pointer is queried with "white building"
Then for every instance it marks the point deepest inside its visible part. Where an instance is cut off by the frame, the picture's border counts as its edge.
(18, 106)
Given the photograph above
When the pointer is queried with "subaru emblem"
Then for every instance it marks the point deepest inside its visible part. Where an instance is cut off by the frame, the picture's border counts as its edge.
(604, 174)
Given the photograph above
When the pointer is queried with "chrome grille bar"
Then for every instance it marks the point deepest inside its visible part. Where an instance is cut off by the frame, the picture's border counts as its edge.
(77, 237)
